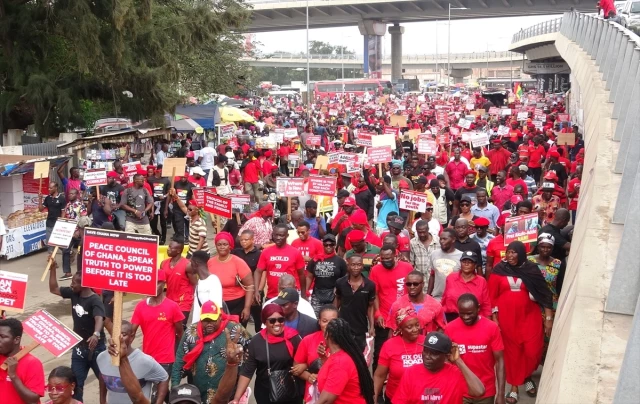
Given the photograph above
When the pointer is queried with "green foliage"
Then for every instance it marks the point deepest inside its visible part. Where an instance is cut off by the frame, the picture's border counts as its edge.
(66, 62)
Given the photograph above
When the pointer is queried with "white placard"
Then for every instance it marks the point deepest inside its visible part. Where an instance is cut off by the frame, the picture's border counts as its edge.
(503, 130)
(523, 116)
(463, 123)
(95, 177)
(290, 133)
(480, 139)
(62, 233)
(415, 201)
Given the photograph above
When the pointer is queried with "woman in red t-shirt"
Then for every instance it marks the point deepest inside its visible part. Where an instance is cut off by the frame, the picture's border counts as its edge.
(312, 352)
(398, 354)
(344, 378)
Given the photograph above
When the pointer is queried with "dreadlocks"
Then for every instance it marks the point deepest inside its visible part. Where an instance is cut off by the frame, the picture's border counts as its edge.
(340, 333)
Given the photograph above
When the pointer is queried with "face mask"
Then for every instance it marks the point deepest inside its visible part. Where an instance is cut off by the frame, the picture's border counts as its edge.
(388, 264)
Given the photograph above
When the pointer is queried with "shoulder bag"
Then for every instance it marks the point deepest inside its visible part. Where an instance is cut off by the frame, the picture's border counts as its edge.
(282, 384)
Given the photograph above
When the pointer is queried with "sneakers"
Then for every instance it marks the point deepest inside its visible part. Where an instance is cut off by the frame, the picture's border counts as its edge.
(66, 276)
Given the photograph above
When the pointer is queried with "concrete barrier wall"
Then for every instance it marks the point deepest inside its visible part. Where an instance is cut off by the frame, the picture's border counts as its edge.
(587, 344)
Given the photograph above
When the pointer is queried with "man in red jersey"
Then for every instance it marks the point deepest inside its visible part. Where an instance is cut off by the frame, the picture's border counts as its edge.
(436, 380)
(23, 380)
(480, 346)
(179, 288)
(309, 246)
(278, 260)
(388, 276)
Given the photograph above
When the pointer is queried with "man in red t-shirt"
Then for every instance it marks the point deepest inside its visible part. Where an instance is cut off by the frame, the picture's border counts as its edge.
(342, 219)
(251, 172)
(179, 288)
(480, 345)
(436, 380)
(23, 380)
(388, 277)
(161, 322)
(396, 225)
(536, 158)
(499, 157)
(278, 260)
(309, 246)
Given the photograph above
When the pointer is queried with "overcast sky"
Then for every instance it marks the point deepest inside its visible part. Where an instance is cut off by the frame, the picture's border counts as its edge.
(419, 37)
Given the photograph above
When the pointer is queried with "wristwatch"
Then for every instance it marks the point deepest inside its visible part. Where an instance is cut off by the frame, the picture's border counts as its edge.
(548, 318)
(97, 334)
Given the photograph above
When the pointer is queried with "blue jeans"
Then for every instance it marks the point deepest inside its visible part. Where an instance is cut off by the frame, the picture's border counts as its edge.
(120, 216)
(81, 361)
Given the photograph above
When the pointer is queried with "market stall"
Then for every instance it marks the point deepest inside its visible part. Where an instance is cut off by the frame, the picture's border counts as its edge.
(25, 226)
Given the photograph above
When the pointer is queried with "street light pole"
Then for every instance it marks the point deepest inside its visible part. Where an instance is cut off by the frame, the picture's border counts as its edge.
(437, 57)
(308, 75)
(449, 49)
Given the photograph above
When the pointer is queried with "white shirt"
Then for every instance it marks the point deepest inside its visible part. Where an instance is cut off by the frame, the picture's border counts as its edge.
(160, 156)
(207, 154)
(304, 307)
(207, 289)
(437, 170)
(434, 228)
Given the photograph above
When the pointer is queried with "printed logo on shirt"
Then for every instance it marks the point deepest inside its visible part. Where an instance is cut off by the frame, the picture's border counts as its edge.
(514, 283)
(80, 311)
(278, 258)
(474, 349)
(431, 395)
(410, 360)
(400, 285)
(162, 316)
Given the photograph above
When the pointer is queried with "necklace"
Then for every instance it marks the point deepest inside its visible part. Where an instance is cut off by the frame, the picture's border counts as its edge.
(227, 259)
(415, 351)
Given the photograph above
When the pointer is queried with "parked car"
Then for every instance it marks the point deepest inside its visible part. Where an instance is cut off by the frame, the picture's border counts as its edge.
(630, 16)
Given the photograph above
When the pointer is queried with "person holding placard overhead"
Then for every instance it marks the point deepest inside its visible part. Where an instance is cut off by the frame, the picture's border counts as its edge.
(74, 210)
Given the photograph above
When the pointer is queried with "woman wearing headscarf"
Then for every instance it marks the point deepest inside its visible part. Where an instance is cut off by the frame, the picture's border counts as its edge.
(235, 276)
(344, 378)
(398, 353)
(517, 290)
(270, 355)
(260, 224)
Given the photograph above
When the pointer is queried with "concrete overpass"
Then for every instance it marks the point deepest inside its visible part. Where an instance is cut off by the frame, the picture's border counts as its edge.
(278, 15)
(594, 353)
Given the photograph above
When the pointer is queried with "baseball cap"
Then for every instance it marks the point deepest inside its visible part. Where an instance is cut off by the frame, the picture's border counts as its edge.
(523, 167)
(185, 392)
(550, 175)
(503, 217)
(112, 174)
(329, 237)
(209, 311)
(287, 295)
(349, 201)
(397, 222)
(355, 236)
(465, 198)
(198, 170)
(469, 255)
(437, 341)
(480, 167)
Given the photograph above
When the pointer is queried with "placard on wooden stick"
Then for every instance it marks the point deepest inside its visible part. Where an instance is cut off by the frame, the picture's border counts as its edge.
(174, 166)
(568, 139)
(398, 120)
(41, 169)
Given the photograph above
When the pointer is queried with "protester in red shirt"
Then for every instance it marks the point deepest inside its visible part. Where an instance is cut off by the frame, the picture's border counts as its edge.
(536, 157)
(436, 380)
(179, 288)
(456, 169)
(310, 247)
(496, 249)
(344, 378)
(399, 353)
(342, 219)
(428, 310)
(161, 322)
(251, 172)
(501, 191)
(278, 260)
(465, 281)
(480, 345)
(23, 380)
(269, 163)
(515, 179)
(499, 157)
(388, 276)
(359, 222)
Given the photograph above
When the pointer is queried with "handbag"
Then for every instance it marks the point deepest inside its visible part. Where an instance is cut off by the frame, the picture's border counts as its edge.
(324, 296)
(282, 384)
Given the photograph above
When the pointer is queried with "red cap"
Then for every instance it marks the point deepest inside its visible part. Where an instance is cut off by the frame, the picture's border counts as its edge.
(502, 218)
(481, 222)
(551, 176)
(516, 199)
(113, 174)
(359, 217)
(267, 153)
(469, 172)
(554, 154)
(355, 236)
(193, 202)
(349, 201)
(403, 184)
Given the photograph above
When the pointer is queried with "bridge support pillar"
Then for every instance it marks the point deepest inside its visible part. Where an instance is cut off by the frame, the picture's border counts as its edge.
(396, 32)
(372, 31)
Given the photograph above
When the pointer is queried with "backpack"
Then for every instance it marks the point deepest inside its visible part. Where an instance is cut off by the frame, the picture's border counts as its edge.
(216, 181)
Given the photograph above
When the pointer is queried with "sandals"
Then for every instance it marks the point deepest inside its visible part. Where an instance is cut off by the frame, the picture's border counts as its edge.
(530, 387)
(511, 398)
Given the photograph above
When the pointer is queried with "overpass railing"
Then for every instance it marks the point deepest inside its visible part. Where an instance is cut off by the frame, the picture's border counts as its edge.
(547, 27)
(416, 57)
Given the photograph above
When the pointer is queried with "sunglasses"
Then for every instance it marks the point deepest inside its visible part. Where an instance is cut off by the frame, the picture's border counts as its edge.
(425, 168)
(413, 284)
(429, 209)
(465, 204)
(328, 244)
(56, 389)
(278, 320)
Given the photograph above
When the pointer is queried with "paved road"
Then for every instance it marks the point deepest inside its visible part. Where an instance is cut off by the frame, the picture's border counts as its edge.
(38, 297)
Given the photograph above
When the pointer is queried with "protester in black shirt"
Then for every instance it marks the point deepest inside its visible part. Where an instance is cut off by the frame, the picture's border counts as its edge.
(160, 186)
(113, 190)
(355, 296)
(99, 209)
(250, 255)
(88, 314)
(55, 204)
(184, 192)
(466, 243)
(326, 269)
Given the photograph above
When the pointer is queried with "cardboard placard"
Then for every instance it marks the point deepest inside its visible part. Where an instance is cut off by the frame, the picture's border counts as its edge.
(41, 169)
(521, 228)
(293, 160)
(62, 233)
(568, 139)
(122, 262)
(287, 187)
(414, 201)
(398, 120)
(364, 139)
(95, 177)
(174, 166)
(322, 162)
(377, 155)
(277, 135)
(49, 332)
(384, 140)
(470, 106)
(479, 139)
(217, 205)
(290, 133)
(413, 133)
(13, 291)
(322, 185)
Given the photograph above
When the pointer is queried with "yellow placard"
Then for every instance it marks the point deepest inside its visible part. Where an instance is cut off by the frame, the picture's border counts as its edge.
(41, 169)
(413, 133)
(174, 166)
(322, 163)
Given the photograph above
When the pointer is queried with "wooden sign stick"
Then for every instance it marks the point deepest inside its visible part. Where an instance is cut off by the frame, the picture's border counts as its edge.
(238, 219)
(40, 184)
(289, 205)
(173, 177)
(51, 259)
(218, 229)
(23, 352)
(117, 325)
(380, 170)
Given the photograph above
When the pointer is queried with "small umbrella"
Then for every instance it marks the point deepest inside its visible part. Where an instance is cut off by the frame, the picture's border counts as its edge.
(231, 114)
(232, 102)
(182, 123)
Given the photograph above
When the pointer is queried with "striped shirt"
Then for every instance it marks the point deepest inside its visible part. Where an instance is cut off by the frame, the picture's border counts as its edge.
(197, 229)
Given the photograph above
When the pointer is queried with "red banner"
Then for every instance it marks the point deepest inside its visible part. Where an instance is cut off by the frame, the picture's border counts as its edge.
(218, 205)
(287, 187)
(13, 291)
(122, 262)
(198, 194)
(364, 139)
(563, 117)
(379, 155)
(521, 228)
(49, 332)
(322, 185)
(313, 140)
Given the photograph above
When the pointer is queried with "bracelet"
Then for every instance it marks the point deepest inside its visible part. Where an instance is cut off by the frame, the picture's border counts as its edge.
(232, 364)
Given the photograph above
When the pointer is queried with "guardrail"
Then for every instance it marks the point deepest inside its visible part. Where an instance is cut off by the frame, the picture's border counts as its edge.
(416, 57)
(546, 27)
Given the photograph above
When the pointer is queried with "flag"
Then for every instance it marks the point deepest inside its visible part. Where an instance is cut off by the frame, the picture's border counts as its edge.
(517, 90)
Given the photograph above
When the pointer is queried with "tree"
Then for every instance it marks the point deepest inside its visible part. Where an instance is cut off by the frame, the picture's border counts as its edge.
(63, 61)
